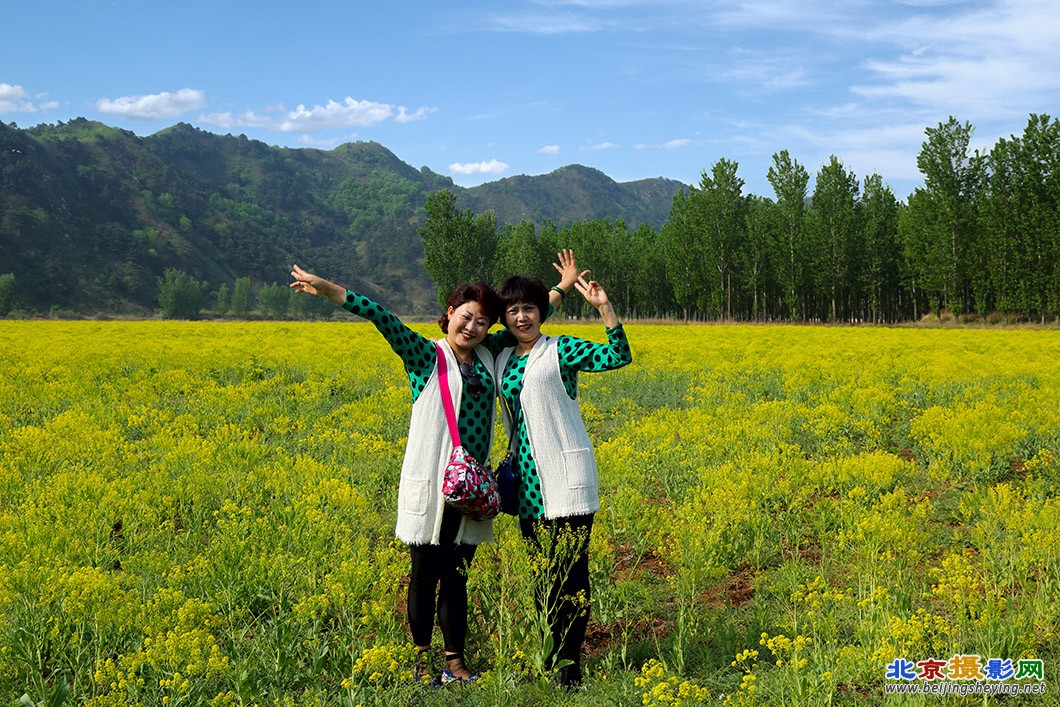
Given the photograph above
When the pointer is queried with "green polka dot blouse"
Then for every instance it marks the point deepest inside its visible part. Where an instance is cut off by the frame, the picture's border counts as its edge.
(574, 355)
(420, 357)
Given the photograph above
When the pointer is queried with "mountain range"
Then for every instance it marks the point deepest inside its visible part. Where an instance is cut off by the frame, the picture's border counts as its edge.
(92, 215)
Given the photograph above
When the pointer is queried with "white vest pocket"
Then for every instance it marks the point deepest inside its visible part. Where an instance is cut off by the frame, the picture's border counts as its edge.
(414, 495)
(579, 468)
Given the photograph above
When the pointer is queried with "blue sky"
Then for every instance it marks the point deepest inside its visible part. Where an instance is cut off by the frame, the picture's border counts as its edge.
(483, 90)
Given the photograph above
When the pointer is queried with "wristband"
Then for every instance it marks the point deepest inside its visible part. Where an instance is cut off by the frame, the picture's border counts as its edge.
(557, 288)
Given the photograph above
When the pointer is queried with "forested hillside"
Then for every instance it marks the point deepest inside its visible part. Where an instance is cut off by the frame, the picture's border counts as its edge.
(93, 219)
(574, 193)
(92, 216)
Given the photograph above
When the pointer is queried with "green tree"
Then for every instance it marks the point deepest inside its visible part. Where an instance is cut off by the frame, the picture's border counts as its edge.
(179, 295)
(221, 299)
(242, 297)
(1041, 141)
(790, 180)
(1021, 215)
(598, 245)
(458, 246)
(274, 300)
(7, 293)
(620, 273)
(953, 181)
(833, 223)
(684, 246)
(652, 296)
(754, 257)
(923, 253)
(550, 241)
(305, 307)
(720, 204)
(519, 252)
(880, 253)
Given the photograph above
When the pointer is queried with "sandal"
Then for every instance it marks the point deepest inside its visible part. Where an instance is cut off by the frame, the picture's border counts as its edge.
(455, 661)
(422, 672)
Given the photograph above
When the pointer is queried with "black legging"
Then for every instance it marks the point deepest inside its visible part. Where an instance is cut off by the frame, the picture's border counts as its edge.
(567, 617)
(440, 571)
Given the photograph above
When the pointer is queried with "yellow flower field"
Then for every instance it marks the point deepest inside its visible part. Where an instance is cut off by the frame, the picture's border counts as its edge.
(202, 514)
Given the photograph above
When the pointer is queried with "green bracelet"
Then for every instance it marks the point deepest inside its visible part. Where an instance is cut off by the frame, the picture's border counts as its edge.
(557, 288)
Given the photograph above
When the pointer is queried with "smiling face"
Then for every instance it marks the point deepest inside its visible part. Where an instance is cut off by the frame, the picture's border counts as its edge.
(468, 325)
(523, 320)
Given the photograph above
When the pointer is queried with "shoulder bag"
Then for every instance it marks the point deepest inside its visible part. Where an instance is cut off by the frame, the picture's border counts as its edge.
(467, 485)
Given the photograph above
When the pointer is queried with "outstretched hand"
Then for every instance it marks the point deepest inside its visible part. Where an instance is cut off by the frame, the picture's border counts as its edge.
(594, 294)
(592, 291)
(567, 267)
(311, 284)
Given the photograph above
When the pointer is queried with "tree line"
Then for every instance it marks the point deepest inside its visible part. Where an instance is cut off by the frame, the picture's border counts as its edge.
(981, 237)
(180, 296)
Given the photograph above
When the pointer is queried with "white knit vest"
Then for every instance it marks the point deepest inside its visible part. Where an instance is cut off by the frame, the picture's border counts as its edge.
(562, 451)
(420, 502)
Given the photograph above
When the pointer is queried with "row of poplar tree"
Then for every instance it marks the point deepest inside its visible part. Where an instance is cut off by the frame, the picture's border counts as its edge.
(981, 237)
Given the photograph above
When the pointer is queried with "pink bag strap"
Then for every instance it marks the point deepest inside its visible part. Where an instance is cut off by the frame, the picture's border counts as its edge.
(447, 399)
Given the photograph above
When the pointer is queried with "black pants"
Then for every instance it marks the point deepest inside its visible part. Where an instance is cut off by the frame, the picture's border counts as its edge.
(440, 572)
(565, 544)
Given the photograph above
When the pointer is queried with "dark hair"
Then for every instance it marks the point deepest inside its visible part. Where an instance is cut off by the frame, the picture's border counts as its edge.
(473, 292)
(524, 289)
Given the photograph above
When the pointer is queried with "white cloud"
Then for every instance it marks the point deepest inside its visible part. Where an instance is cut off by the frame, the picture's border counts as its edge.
(888, 147)
(349, 113)
(676, 144)
(403, 116)
(491, 167)
(998, 86)
(228, 121)
(12, 100)
(996, 60)
(9, 92)
(158, 106)
(548, 150)
(600, 146)
(989, 62)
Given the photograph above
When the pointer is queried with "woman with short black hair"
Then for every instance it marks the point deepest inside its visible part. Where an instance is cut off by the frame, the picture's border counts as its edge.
(558, 490)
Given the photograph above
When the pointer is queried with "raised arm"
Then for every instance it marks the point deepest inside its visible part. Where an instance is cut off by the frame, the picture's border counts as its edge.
(581, 355)
(416, 351)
